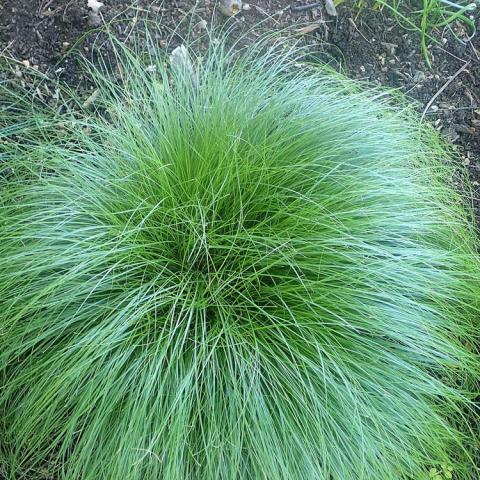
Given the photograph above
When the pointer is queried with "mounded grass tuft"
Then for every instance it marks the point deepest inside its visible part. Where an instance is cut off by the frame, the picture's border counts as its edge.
(236, 268)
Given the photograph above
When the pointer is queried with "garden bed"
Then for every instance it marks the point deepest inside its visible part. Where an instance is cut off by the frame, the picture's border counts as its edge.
(369, 45)
(46, 38)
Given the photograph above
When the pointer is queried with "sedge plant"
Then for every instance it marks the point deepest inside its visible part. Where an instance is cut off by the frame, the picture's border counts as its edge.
(235, 267)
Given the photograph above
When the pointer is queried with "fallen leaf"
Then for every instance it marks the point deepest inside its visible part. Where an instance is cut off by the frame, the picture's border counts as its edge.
(180, 60)
(95, 5)
(90, 99)
(308, 29)
(330, 6)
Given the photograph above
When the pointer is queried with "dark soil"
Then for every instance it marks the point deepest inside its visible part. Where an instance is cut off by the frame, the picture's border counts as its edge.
(41, 34)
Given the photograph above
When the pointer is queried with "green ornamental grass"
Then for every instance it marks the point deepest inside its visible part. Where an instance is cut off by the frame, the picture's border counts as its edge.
(233, 268)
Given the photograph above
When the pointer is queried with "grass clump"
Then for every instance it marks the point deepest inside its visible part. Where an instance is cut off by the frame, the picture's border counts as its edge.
(237, 268)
